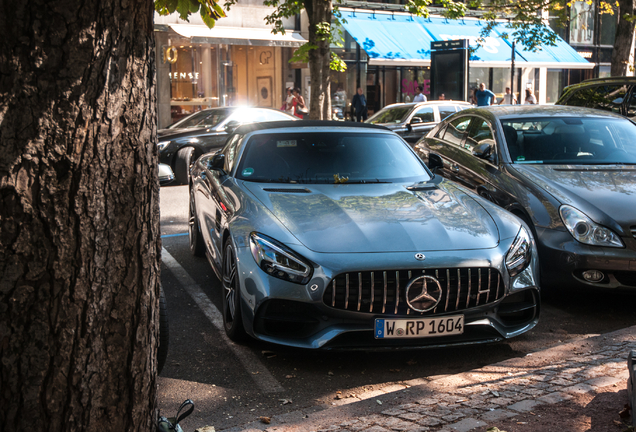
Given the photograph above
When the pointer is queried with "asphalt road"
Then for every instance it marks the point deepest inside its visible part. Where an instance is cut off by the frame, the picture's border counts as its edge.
(233, 385)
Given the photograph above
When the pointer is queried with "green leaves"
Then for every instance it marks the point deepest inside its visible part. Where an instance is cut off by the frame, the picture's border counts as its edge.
(209, 9)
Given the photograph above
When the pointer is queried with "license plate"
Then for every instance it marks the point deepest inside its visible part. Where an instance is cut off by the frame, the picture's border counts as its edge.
(419, 327)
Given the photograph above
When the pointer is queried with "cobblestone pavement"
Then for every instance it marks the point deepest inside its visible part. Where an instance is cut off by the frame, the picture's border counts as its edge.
(479, 397)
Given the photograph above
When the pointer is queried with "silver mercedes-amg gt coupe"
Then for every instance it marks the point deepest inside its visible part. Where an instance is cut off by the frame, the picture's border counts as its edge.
(336, 235)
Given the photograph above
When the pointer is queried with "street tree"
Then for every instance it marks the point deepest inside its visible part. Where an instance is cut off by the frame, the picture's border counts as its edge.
(79, 216)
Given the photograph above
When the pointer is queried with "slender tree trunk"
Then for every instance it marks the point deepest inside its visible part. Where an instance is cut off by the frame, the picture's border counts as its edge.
(79, 219)
(318, 12)
(624, 38)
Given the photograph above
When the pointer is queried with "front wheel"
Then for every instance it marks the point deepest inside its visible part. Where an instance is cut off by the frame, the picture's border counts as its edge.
(184, 159)
(232, 319)
(197, 247)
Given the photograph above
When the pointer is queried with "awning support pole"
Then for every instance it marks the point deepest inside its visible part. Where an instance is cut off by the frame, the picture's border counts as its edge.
(512, 73)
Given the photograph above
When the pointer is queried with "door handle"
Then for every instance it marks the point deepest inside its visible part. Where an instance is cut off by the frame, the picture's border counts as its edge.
(454, 168)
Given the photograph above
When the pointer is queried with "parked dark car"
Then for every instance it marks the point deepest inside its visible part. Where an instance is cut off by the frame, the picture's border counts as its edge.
(336, 235)
(614, 94)
(568, 172)
(413, 120)
(183, 142)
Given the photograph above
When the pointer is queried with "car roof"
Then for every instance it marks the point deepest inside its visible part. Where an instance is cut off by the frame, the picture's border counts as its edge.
(607, 80)
(305, 124)
(435, 102)
(516, 111)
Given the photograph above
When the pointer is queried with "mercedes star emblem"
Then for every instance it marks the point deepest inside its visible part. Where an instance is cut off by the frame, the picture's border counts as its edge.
(420, 256)
(423, 293)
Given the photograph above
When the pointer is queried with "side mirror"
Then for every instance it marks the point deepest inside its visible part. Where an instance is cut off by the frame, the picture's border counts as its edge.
(483, 151)
(231, 126)
(434, 162)
(217, 163)
(416, 120)
(166, 176)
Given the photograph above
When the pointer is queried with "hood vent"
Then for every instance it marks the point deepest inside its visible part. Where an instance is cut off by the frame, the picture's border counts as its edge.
(287, 190)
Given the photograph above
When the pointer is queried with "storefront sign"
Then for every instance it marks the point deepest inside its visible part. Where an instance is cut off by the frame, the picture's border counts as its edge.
(490, 44)
(170, 54)
(408, 87)
(184, 75)
(585, 54)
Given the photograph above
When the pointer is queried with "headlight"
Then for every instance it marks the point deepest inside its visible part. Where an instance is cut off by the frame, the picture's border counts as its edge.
(518, 257)
(162, 145)
(279, 261)
(586, 231)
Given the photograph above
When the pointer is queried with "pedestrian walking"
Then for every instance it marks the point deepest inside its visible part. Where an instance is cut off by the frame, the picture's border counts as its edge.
(359, 105)
(288, 105)
(484, 96)
(300, 109)
(508, 98)
(419, 96)
(530, 98)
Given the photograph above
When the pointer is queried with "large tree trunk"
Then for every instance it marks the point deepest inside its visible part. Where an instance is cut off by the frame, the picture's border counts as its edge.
(624, 38)
(79, 219)
(318, 12)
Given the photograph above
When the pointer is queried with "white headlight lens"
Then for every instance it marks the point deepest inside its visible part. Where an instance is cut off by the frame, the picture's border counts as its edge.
(520, 253)
(278, 261)
(162, 145)
(586, 231)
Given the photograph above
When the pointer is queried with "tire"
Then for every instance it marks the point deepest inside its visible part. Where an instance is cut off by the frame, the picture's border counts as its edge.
(197, 246)
(164, 332)
(232, 316)
(183, 160)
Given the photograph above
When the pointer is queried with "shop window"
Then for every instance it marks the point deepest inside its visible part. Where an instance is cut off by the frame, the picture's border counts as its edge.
(582, 23)
(607, 32)
(554, 85)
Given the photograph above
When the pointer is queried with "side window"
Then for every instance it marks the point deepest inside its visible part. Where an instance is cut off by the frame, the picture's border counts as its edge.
(445, 111)
(480, 133)
(580, 97)
(230, 153)
(456, 130)
(608, 97)
(426, 114)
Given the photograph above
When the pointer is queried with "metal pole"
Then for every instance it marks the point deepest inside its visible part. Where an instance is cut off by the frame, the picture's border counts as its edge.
(512, 73)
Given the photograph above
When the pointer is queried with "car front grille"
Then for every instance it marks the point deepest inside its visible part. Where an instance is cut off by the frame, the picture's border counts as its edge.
(383, 292)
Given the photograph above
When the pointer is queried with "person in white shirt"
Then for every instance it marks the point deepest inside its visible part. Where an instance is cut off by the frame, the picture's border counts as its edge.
(419, 97)
(508, 98)
(530, 98)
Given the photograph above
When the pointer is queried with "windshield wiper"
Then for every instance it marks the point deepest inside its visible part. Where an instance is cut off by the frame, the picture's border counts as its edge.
(365, 182)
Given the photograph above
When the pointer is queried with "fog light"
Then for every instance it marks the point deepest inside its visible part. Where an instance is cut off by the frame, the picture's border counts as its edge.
(593, 275)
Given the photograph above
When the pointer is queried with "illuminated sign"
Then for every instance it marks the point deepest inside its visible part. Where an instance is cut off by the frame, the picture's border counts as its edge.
(585, 54)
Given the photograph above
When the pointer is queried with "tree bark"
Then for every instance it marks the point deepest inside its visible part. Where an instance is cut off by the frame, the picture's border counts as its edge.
(319, 11)
(624, 38)
(79, 218)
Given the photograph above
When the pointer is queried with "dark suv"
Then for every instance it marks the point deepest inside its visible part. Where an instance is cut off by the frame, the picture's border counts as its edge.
(615, 94)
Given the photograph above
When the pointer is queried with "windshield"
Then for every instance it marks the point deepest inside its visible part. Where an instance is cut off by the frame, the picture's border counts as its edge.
(205, 118)
(329, 157)
(390, 115)
(569, 140)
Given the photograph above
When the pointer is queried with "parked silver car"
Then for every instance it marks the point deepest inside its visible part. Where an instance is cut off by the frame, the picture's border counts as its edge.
(413, 120)
(328, 234)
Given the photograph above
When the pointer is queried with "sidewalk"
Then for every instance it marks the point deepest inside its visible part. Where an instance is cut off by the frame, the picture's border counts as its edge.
(478, 398)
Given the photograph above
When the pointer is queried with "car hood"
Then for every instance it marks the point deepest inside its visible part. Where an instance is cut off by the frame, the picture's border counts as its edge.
(591, 188)
(164, 134)
(379, 218)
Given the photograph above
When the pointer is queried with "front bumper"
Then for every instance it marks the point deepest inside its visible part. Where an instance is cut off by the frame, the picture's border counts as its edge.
(563, 260)
(297, 315)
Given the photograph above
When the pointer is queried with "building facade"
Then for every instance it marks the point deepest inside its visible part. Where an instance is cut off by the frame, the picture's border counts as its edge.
(238, 62)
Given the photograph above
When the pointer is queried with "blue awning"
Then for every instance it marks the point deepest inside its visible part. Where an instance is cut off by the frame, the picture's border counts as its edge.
(404, 40)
